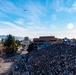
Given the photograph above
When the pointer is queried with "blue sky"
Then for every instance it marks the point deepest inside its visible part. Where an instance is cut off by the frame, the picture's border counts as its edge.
(36, 18)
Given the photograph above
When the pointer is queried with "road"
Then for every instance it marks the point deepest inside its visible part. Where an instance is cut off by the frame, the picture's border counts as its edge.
(5, 67)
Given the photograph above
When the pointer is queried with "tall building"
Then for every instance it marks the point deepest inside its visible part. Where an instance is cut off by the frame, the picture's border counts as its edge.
(43, 39)
(25, 42)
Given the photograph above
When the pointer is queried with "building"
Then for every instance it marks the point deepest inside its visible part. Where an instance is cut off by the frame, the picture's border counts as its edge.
(43, 39)
(25, 42)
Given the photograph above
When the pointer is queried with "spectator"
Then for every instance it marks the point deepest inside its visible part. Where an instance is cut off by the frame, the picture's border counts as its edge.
(57, 59)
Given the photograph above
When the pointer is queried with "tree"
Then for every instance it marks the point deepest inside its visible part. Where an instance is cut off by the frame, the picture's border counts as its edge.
(18, 43)
(31, 47)
(11, 44)
(2, 42)
(9, 41)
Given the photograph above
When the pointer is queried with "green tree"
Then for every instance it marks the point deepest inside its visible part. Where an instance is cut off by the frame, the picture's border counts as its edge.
(30, 47)
(18, 43)
(11, 44)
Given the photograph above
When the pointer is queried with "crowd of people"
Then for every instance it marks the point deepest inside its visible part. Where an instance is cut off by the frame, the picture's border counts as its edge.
(20, 66)
(57, 59)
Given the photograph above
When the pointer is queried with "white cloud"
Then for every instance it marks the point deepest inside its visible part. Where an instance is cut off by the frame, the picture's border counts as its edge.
(7, 24)
(30, 30)
(30, 23)
(59, 6)
(10, 8)
(36, 11)
(35, 28)
(10, 28)
(34, 31)
(20, 21)
(34, 15)
(15, 32)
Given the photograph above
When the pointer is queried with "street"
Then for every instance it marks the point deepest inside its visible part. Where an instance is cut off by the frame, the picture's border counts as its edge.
(7, 66)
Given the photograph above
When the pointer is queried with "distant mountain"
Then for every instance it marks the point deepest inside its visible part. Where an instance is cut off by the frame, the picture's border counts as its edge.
(16, 37)
(19, 38)
(3, 36)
